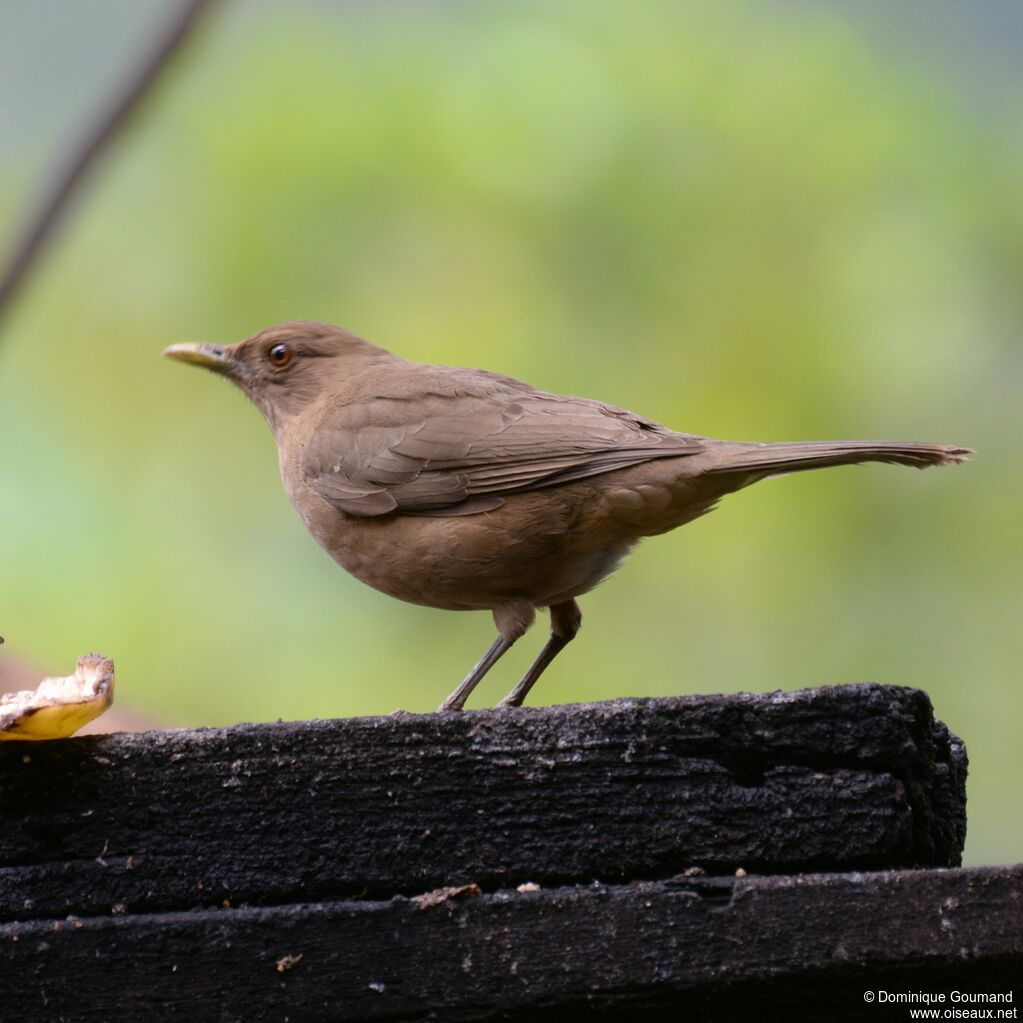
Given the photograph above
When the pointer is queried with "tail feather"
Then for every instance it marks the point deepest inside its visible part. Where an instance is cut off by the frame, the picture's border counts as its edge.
(795, 457)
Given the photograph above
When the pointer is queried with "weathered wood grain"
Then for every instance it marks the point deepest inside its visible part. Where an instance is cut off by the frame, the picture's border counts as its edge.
(837, 778)
(716, 948)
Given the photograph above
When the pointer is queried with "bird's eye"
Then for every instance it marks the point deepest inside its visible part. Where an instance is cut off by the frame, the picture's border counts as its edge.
(280, 355)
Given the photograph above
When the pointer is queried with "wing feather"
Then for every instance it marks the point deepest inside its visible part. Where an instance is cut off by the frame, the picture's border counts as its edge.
(466, 449)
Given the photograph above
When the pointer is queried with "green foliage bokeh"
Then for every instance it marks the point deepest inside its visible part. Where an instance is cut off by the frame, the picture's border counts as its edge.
(740, 222)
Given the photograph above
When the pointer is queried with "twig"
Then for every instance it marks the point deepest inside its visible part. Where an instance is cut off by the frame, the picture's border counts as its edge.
(67, 182)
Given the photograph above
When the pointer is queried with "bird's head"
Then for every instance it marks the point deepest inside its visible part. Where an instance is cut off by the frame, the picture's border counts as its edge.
(287, 368)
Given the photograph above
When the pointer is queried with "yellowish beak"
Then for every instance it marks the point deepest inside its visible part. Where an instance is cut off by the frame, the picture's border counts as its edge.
(209, 356)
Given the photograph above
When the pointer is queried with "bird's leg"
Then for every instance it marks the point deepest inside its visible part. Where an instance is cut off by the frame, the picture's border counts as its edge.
(565, 622)
(457, 699)
(511, 620)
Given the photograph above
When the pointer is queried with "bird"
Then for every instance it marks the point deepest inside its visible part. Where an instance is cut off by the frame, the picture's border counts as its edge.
(464, 489)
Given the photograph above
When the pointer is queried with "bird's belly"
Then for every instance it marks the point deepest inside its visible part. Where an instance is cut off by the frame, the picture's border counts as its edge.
(534, 547)
(544, 546)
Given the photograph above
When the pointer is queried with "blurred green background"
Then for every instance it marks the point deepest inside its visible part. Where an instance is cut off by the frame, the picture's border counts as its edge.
(758, 221)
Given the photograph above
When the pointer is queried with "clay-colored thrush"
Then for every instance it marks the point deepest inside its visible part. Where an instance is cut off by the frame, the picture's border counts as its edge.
(468, 490)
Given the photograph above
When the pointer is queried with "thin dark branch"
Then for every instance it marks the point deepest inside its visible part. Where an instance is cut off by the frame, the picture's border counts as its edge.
(69, 179)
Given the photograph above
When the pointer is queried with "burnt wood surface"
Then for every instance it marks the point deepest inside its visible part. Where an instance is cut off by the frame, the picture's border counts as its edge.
(844, 777)
(857, 776)
(715, 948)
(658, 859)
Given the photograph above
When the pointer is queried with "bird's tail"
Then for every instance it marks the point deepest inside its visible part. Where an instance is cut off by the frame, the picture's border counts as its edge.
(768, 459)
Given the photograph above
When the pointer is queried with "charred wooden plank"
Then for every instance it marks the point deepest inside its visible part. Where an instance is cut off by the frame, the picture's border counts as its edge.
(845, 777)
(714, 948)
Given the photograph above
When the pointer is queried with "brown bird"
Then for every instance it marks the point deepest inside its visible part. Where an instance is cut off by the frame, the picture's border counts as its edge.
(468, 490)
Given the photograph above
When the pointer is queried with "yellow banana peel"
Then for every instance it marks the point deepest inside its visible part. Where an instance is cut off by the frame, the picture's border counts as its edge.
(58, 707)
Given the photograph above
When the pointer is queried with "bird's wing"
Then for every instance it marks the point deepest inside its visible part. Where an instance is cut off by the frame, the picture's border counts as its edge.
(458, 453)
